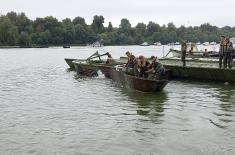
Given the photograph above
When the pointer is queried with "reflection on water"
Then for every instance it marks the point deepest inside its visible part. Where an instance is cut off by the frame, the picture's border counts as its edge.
(218, 97)
(46, 109)
(227, 93)
(227, 106)
(148, 104)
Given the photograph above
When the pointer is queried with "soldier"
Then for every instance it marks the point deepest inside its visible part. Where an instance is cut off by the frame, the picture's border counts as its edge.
(232, 54)
(228, 54)
(131, 60)
(156, 71)
(110, 60)
(130, 65)
(142, 67)
(221, 50)
(183, 52)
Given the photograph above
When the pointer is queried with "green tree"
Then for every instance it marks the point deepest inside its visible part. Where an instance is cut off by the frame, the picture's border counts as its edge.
(152, 27)
(97, 24)
(141, 29)
(125, 26)
(21, 21)
(24, 39)
(8, 32)
(110, 27)
(79, 20)
(18, 29)
(69, 31)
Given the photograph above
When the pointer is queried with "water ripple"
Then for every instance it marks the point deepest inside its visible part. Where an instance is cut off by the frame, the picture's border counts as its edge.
(47, 109)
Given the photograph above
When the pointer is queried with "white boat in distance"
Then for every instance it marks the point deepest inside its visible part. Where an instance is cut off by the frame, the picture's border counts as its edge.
(177, 43)
(97, 44)
(171, 44)
(206, 43)
(145, 44)
(213, 43)
(158, 44)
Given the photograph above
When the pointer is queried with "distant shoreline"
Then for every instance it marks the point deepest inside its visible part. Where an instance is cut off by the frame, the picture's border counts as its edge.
(9, 47)
(20, 31)
(2, 47)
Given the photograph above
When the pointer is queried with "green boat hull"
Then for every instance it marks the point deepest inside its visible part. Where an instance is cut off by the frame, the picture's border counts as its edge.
(70, 62)
(199, 73)
(136, 83)
(92, 68)
(86, 69)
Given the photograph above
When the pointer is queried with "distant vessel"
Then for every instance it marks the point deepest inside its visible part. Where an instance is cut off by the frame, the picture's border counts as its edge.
(177, 43)
(171, 44)
(206, 43)
(193, 52)
(198, 43)
(66, 46)
(97, 44)
(213, 43)
(158, 44)
(145, 44)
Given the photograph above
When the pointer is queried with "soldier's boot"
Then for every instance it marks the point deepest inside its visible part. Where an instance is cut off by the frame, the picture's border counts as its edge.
(220, 65)
(229, 64)
(220, 61)
(230, 61)
(225, 62)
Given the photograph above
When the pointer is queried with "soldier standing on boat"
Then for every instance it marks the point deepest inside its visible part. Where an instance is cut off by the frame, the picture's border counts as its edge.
(131, 61)
(228, 54)
(183, 52)
(222, 50)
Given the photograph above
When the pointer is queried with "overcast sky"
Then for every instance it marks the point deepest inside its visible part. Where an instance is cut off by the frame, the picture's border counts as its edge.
(181, 12)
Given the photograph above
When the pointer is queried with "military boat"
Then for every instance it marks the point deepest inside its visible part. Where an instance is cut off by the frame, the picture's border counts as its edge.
(119, 75)
(85, 69)
(91, 65)
(69, 61)
(193, 52)
(198, 69)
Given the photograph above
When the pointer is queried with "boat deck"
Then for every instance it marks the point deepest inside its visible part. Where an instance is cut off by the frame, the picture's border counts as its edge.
(198, 63)
(201, 70)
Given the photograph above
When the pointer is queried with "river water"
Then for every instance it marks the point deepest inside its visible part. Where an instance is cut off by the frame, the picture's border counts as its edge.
(46, 110)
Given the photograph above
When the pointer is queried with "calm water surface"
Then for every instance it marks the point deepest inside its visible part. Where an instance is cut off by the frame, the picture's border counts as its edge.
(46, 110)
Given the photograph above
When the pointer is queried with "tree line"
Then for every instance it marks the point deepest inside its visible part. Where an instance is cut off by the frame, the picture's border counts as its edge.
(16, 29)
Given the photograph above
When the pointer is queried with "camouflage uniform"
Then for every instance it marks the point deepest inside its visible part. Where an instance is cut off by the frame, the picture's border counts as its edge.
(221, 53)
(131, 61)
(142, 70)
(130, 66)
(159, 71)
(228, 55)
(183, 53)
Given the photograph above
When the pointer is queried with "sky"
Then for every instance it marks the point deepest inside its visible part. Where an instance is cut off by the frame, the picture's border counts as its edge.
(180, 12)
